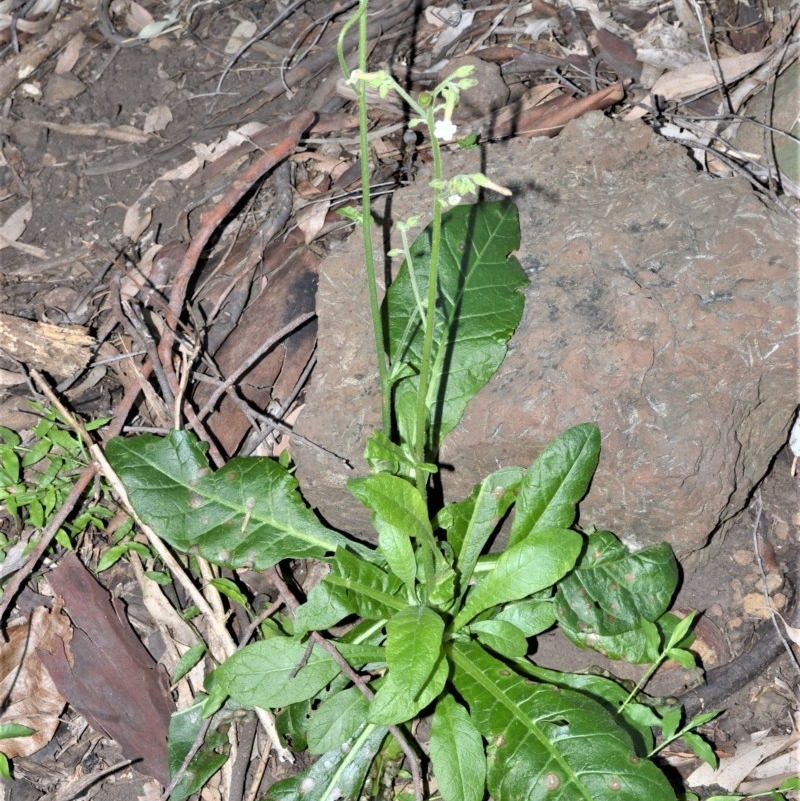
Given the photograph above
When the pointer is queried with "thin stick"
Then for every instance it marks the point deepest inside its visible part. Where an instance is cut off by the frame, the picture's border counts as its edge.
(209, 222)
(266, 346)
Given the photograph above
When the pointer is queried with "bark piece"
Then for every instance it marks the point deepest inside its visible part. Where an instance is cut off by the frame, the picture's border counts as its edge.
(61, 350)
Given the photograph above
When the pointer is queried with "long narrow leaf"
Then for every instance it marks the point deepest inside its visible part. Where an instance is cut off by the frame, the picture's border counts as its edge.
(556, 481)
(337, 774)
(459, 762)
(523, 569)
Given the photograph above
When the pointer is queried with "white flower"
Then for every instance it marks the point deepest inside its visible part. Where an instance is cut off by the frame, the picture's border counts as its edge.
(445, 130)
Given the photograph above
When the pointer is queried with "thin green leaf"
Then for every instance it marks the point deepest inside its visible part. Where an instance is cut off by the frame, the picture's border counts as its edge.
(556, 481)
(192, 656)
(529, 566)
(670, 722)
(471, 522)
(681, 629)
(703, 718)
(700, 748)
(246, 514)
(229, 589)
(685, 659)
(456, 749)
(9, 730)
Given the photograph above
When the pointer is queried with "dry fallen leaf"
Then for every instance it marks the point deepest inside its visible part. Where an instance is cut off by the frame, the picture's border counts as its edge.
(749, 755)
(158, 118)
(14, 226)
(29, 695)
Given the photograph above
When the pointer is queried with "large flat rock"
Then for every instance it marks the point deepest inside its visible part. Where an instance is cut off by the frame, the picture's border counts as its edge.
(662, 306)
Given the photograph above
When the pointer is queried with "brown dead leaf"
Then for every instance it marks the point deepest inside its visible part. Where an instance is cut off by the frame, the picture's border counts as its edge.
(15, 224)
(157, 119)
(29, 695)
(699, 77)
(311, 219)
(106, 673)
(68, 57)
(138, 17)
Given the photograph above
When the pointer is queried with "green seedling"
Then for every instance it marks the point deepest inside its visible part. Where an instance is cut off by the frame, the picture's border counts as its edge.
(37, 475)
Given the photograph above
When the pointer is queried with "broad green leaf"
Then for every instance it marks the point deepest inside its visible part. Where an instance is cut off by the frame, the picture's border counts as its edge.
(337, 720)
(337, 774)
(413, 647)
(392, 705)
(639, 719)
(456, 749)
(547, 743)
(470, 523)
(291, 723)
(396, 504)
(501, 637)
(274, 673)
(478, 308)
(246, 514)
(184, 726)
(612, 591)
(556, 481)
(326, 605)
(531, 616)
(523, 569)
(368, 591)
(399, 514)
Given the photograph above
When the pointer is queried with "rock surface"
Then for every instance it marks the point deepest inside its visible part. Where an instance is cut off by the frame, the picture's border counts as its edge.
(662, 306)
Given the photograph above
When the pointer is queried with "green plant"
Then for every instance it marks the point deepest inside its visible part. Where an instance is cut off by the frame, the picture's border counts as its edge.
(9, 731)
(432, 621)
(37, 475)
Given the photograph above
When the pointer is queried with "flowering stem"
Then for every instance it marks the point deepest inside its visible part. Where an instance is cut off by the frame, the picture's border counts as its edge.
(430, 322)
(366, 214)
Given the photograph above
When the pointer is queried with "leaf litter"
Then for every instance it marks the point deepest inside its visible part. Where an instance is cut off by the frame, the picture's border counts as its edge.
(695, 73)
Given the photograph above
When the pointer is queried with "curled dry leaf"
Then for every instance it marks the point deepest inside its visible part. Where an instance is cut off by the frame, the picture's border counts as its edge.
(158, 118)
(30, 697)
(68, 57)
(16, 223)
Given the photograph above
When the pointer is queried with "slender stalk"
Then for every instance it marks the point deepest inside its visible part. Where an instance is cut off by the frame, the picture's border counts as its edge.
(366, 215)
(433, 279)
